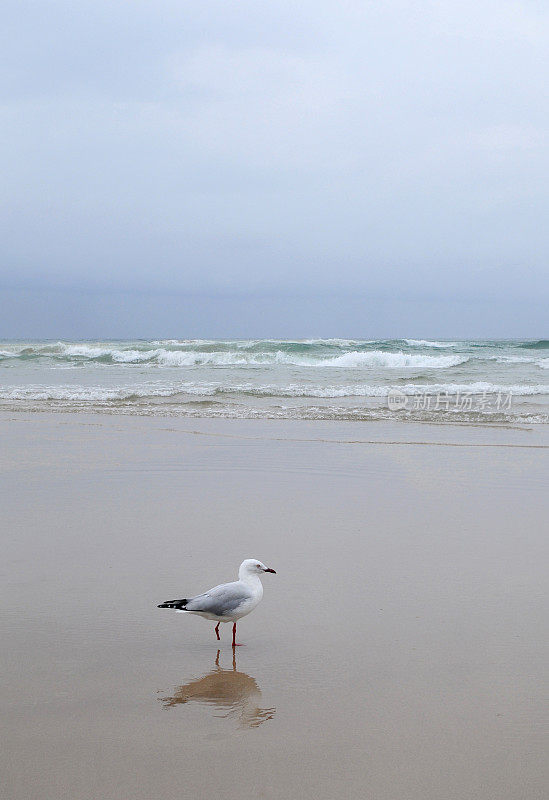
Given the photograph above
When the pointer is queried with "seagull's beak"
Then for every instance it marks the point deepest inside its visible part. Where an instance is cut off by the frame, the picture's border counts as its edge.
(268, 569)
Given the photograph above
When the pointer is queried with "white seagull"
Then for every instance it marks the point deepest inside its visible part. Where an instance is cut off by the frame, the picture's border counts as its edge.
(227, 602)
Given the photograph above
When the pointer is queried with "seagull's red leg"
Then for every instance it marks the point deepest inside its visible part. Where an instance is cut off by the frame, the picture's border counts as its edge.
(234, 636)
(217, 631)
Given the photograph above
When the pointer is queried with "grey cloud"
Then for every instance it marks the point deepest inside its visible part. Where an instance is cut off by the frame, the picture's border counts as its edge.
(325, 147)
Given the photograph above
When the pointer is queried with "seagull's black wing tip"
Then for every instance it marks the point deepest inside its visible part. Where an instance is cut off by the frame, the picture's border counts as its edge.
(179, 605)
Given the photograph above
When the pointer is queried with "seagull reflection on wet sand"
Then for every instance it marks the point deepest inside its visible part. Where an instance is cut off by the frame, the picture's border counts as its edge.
(235, 693)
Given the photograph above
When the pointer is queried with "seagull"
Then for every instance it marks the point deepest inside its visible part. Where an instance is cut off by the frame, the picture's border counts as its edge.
(227, 602)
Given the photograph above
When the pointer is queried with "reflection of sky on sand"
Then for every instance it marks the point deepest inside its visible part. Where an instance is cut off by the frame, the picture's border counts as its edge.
(234, 693)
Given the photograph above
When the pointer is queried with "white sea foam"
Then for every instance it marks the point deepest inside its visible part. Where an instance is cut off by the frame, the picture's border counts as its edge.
(337, 342)
(353, 360)
(179, 358)
(258, 377)
(511, 359)
(379, 358)
(186, 342)
(366, 390)
(178, 390)
(476, 387)
(189, 358)
(426, 343)
(81, 393)
(543, 363)
(120, 356)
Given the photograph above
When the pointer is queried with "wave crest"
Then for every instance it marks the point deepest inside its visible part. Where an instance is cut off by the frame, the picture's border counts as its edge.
(379, 358)
(541, 344)
(237, 357)
(178, 391)
(427, 343)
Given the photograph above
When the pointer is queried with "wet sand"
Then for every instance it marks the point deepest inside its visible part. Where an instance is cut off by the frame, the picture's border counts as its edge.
(400, 653)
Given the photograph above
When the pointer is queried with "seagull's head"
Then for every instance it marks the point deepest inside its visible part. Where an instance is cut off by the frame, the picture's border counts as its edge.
(251, 566)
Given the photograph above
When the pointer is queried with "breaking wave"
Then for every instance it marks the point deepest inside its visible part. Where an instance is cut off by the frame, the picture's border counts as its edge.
(161, 356)
(379, 358)
(541, 344)
(179, 390)
(312, 378)
(426, 343)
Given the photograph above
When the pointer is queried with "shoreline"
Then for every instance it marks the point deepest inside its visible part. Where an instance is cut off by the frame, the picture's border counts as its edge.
(389, 432)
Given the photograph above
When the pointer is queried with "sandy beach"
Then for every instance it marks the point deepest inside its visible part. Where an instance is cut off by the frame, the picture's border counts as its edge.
(400, 653)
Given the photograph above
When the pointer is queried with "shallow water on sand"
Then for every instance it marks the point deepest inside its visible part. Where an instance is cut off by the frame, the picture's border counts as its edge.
(399, 652)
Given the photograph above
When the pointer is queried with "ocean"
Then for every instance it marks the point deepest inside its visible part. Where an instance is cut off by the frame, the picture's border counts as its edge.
(468, 381)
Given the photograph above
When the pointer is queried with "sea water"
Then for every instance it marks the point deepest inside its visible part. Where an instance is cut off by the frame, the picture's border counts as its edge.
(476, 381)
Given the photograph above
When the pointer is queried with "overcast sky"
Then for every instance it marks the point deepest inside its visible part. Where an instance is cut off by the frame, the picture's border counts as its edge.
(274, 168)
